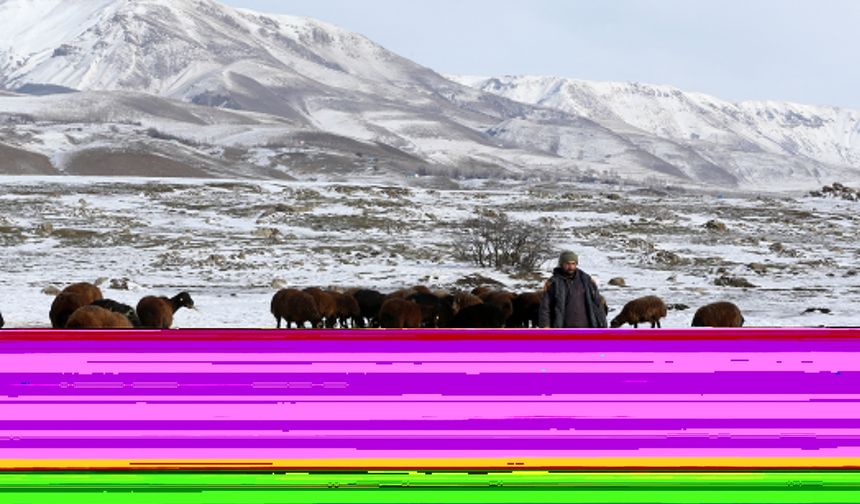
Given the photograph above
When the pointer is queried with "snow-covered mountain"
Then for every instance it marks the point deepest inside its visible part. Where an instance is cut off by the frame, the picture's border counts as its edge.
(317, 77)
(173, 47)
(335, 100)
(707, 124)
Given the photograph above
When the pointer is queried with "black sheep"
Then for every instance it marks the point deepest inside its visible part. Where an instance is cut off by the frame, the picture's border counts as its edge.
(435, 312)
(482, 315)
(369, 302)
(526, 307)
(123, 309)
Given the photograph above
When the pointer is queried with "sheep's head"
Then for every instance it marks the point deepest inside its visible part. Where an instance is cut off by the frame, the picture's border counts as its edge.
(616, 322)
(183, 299)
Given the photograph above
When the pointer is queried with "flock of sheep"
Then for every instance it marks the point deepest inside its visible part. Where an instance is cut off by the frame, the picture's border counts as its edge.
(483, 307)
(82, 306)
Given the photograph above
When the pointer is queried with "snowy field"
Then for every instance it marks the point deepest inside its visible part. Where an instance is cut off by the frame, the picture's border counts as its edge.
(231, 244)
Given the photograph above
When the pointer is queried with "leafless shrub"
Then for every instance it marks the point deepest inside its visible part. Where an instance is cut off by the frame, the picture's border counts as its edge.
(495, 240)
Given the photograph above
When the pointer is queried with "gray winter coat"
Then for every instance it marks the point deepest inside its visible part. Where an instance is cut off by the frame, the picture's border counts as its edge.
(552, 306)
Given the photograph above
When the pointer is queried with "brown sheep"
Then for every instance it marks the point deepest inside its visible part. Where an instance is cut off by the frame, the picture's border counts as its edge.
(96, 317)
(63, 306)
(157, 312)
(464, 300)
(503, 300)
(644, 309)
(85, 288)
(481, 291)
(347, 308)
(484, 294)
(401, 293)
(70, 299)
(326, 305)
(435, 311)
(720, 314)
(397, 313)
(295, 306)
(422, 289)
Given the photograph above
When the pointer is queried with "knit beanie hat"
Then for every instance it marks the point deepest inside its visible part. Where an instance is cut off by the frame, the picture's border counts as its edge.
(568, 256)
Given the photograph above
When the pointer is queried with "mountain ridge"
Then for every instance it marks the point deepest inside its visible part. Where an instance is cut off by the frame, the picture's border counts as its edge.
(318, 81)
(669, 112)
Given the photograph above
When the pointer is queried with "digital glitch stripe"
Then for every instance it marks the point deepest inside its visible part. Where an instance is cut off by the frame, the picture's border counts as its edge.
(744, 411)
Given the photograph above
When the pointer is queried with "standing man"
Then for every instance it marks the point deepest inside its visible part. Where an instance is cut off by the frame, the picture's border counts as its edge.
(571, 298)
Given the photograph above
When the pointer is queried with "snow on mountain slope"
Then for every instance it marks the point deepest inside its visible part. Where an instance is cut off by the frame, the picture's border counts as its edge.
(337, 88)
(55, 21)
(317, 76)
(122, 132)
(824, 134)
(314, 74)
(187, 48)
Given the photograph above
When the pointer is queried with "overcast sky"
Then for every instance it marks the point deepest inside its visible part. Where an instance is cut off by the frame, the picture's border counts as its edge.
(790, 50)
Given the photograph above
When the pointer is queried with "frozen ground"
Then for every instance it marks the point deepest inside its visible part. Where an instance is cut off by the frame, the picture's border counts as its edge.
(231, 244)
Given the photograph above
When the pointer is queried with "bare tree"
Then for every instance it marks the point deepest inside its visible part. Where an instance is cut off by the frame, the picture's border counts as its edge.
(495, 240)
